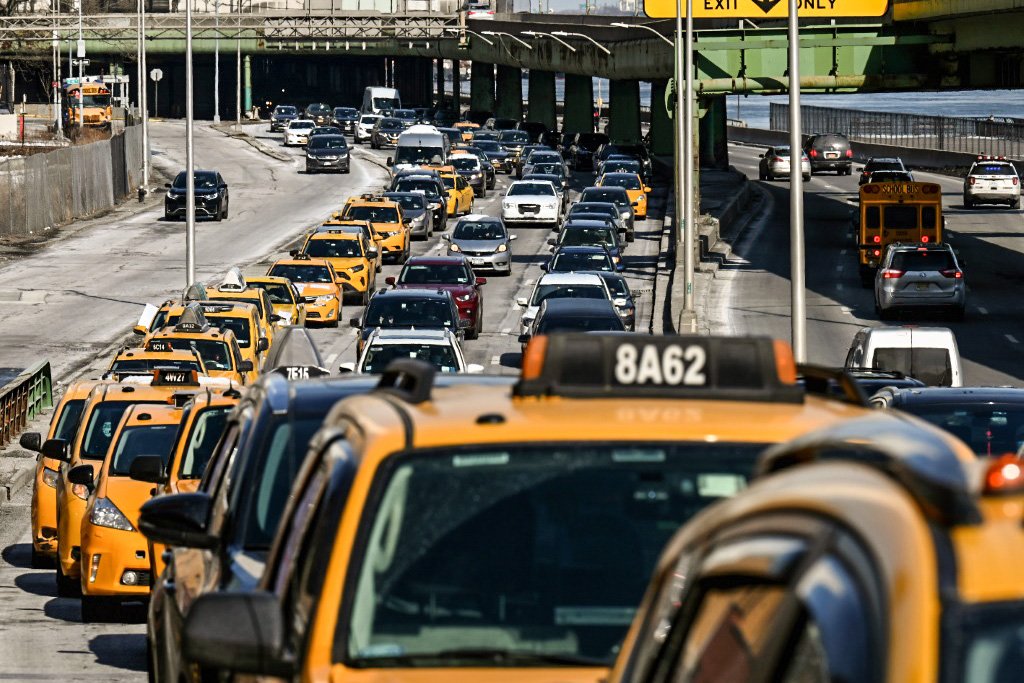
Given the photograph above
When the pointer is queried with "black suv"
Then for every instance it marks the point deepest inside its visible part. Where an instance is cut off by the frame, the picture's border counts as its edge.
(422, 309)
(582, 150)
(346, 119)
(320, 114)
(830, 152)
(211, 193)
(875, 164)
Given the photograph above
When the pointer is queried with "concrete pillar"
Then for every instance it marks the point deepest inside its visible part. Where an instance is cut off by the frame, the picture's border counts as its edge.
(662, 129)
(541, 106)
(247, 82)
(457, 86)
(508, 101)
(713, 132)
(481, 87)
(439, 80)
(414, 79)
(578, 105)
(624, 116)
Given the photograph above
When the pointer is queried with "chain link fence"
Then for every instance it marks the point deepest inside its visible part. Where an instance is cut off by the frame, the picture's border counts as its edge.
(53, 188)
(994, 135)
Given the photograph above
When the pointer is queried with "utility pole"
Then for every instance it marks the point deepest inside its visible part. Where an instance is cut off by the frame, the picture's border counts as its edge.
(190, 181)
(81, 69)
(216, 62)
(796, 193)
(689, 227)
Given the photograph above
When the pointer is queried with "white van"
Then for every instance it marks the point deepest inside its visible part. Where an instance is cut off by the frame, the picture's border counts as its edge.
(420, 145)
(929, 354)
(380, 100)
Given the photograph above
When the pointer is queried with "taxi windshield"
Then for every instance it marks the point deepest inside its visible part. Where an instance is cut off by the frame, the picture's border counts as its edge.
(572, 534)
(449, 182)
(441, 356)
(99, 431)
(567, 292)
(147, 365)
(240, 326)
(431, 274)
(279, 293)
(301, 273)
(630, 182)
(141, 440)
(332, 248)
(374, 214)
(490, 230)
(215, 354)
(67, 425)
(395, 312)
(206, 430)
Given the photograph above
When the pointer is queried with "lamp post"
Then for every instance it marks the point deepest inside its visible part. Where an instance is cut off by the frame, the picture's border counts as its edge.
(566, 34)
(796, 194)
(452, 29)
(619, 24)
(190, 189)
(216, 61)
(144, 96)
(509, 35)
(552, 37)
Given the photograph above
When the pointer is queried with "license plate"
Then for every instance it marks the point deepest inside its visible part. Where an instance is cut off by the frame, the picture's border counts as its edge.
(476, 262)
(831, 155)
(922, 286)
(328, 163)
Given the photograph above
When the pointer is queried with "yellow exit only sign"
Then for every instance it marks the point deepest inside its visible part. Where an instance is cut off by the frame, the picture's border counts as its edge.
(768, 9)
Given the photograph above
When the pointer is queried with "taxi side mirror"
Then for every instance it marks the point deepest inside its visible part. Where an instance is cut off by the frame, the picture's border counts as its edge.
(31, 441)
(179, 519)
(346, 368)
(513, 237)
(522, 302)
(275, 318)
(148, 468)
(262, 344)
(647, 188)
(167, 185)
(81, 475)
(552, 241)
(760, 156)
(481, 281)
(293, 253)
(140, 330)
(242, 632)
(245, 366)
(55, 449)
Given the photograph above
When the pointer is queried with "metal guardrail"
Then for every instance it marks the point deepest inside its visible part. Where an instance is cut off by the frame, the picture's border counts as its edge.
(993, 135)
(24, 399)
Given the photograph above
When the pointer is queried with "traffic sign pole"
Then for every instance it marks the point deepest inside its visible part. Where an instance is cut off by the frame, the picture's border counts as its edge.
(769, 9)
(796, 194)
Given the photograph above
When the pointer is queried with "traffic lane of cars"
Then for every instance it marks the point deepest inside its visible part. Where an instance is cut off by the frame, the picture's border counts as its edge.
(753, 296)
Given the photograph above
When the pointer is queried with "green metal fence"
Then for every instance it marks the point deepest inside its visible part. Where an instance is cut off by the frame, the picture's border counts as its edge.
(24, 399)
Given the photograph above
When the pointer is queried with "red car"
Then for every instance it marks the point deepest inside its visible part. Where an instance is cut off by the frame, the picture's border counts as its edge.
(450, 273)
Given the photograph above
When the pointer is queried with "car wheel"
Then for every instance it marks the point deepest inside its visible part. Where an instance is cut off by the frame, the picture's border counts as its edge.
(630, 236)
(66, 587)
(769, 177)
(807, 176)
(168, 216)
(98, 610)
(348, 169)
(472, 334)
(227, 206)
(219, 216)
(968, 203)
(483, 191)
(1015, 204)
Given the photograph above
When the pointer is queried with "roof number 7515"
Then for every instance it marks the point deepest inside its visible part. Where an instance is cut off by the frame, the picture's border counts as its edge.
(672, 365)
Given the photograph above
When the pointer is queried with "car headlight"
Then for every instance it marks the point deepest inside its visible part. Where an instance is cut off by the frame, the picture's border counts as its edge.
(105, 513)
(464, 297)
(419, 220)
(506, 205)
(626, 312)
(80, 491)
(476, 175)
(453, 247)
(386, 235)
(173, 195)
(358, 268)
(624, 214)
(434, 205)
(326, 298)
(50, 477)
(502, 247)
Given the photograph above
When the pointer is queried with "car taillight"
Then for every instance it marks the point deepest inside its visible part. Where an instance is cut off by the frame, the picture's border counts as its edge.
(925, 239)
(1015, 180)
(891, 274)
(849, 154)
(814, 153)
(954, 273)
(877, 239)
(971, 180)
(876, 252)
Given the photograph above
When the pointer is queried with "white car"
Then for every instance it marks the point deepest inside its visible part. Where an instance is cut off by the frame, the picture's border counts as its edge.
(531, 201)
(561, 286)
(992, 180)
(364, 127)
(297, 132)
(440, 348)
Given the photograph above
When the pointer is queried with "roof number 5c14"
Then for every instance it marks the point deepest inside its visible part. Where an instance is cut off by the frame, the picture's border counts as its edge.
(671, 365)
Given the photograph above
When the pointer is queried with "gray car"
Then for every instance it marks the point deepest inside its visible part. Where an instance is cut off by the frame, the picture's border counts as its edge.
(484, 241)
(328, 153)
(920, 276)
(416, 210)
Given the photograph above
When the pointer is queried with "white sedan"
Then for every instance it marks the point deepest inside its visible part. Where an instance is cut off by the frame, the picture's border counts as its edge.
(297, 132)
(439, 348)
(531, 201)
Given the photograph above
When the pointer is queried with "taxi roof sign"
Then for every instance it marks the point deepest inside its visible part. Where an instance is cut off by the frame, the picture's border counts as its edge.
(192, 319)
(768, 9)
(644, 366)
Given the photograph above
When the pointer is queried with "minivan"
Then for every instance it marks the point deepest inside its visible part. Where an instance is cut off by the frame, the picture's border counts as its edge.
(929, 354)
(830, 152)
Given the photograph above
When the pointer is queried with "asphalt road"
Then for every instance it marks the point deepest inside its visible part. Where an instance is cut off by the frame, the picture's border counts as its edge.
(751, 294)
(76, 299)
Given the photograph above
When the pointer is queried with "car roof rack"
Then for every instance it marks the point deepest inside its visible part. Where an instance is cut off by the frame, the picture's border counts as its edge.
(918, 456)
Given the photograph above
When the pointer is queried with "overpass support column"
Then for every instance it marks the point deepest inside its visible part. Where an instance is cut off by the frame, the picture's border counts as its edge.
(481, 87)
(713, 132)
(439, 80)
(624, 117)
(578, 105)
(541, 106)
(662, 132)
(247, 82)
(508, 101)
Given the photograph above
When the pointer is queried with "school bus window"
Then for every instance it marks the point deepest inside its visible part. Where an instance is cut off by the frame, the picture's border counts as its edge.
(206, 431)
(586, 523)
(901, 217)
(928, 216)
(873, 217)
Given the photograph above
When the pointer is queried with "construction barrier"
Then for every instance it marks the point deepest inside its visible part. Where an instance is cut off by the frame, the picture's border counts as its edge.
(23, 399)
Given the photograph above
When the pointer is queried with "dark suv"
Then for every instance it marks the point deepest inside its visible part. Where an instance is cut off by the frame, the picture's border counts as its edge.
(880, 164)
(830, 152)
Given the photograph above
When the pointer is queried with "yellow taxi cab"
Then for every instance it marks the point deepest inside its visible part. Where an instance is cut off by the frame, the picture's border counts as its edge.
(491, 533)
(43, 509)
(319, 285)
(101, 413)
(362, 228)
(234, 287)
(390, 229)
(139, 361)
(241, 318)
(634, 187)
(881, 551)
(115, 556)
(467, 128)
(351, 255)
(460, 194)
(219, 348)
(285, 299)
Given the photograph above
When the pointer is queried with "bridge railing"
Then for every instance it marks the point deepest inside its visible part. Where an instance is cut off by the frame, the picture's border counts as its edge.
(1000, 136)
(313, 7)
(23, 399)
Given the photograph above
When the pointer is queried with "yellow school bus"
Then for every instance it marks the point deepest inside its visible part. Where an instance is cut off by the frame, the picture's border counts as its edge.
(95, 104)
(895, 212)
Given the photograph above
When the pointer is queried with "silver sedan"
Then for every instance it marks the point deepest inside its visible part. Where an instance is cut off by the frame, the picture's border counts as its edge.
(775, 164)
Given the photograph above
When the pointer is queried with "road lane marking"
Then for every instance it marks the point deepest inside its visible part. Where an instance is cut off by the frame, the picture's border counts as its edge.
(331, 358)
(982, 310)
(504, 330)
(495, 360)
(1012, 339)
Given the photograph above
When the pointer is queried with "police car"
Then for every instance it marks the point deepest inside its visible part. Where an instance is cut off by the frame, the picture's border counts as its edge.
(992, 180)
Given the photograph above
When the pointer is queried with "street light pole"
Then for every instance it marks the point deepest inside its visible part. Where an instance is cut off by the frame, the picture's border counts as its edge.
(190, 189)
(796, 193)
(216, 61)
(81, 69)
(144, 101)
(689, 226)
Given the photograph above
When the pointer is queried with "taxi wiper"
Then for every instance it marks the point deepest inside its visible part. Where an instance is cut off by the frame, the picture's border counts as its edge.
(486, 655)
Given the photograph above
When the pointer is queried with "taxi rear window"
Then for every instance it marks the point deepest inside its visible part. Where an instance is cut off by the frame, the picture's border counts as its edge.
(142, 440)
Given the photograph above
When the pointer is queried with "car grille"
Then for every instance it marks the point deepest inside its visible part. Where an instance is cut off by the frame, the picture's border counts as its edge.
(477, 253)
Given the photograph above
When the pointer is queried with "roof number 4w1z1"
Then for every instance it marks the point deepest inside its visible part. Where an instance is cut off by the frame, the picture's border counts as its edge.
(671, 365)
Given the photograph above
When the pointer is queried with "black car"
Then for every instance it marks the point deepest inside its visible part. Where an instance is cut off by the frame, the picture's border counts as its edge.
(328, 153)
(622, 297)
(211, 193)
(496, 154)
(282, 114)
(575, 259)
(877, 164)
(346, 119)
(830, 152)
(489, 171)
(319, 113)
(988, 419)
(552, 139)
(633, 151)
(617, 196)
(454, 135)
(409, 117)
(582, 150)
(574, 315)
(445, 117)
(415, 211)
(386, 131)
(501, 124)
(472, 169)
(513, 141)
(534, 128)
(407, 309)
(428, 183)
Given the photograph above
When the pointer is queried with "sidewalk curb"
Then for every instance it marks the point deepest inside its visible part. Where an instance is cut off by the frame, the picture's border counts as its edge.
(258, 145)
(19, 481)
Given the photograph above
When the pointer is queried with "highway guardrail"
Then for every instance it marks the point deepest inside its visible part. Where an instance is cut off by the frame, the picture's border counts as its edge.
(23, 399)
